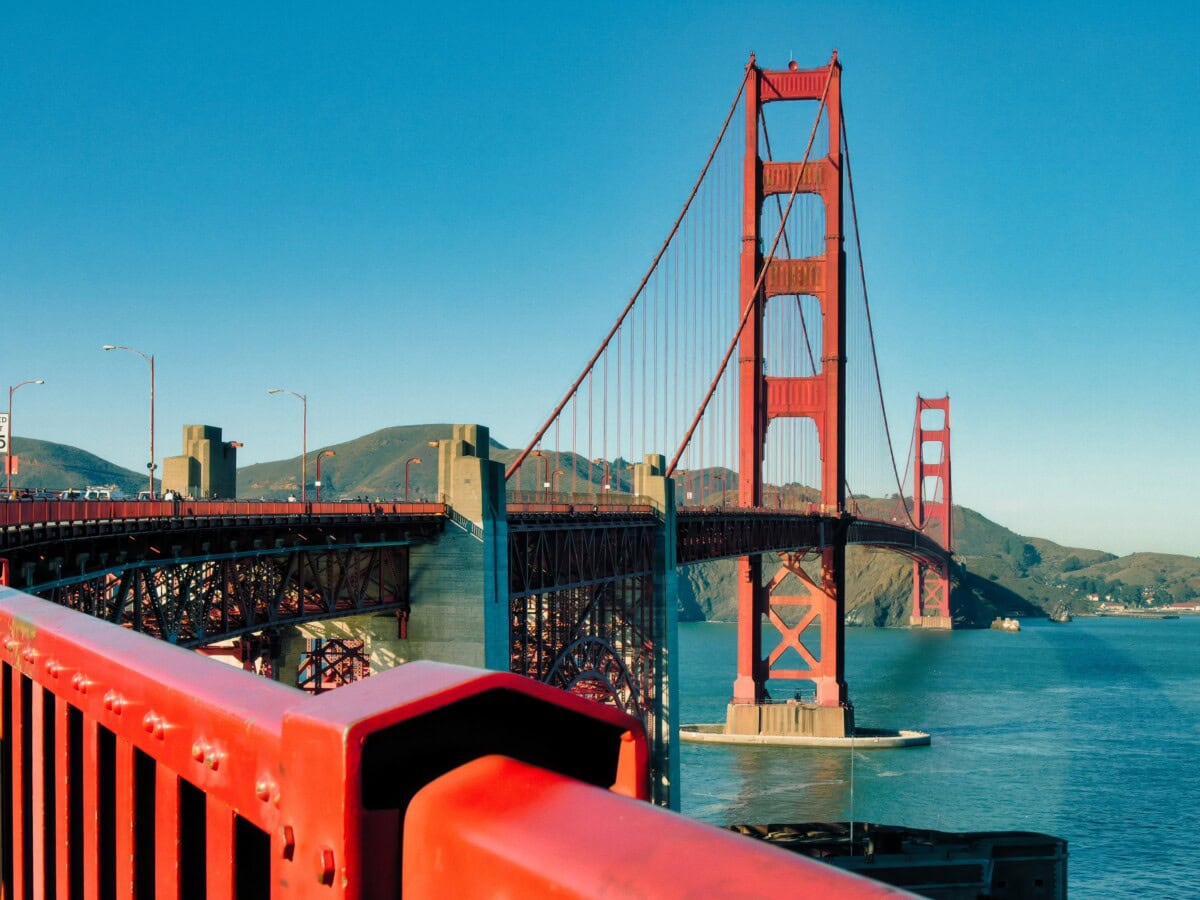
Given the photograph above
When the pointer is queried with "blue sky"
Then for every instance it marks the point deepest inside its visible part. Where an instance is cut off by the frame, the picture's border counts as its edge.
(433, 215)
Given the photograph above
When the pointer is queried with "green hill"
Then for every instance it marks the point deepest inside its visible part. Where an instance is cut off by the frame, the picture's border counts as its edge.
(996, 571)
(45, 465)
(372, 466)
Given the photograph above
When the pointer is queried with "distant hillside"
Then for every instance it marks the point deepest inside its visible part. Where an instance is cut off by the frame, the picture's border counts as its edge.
(45, 465)
(371, 466)
(996, 571)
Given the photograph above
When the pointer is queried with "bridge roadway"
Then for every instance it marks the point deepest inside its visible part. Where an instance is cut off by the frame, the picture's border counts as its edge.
(49, 546)
(38, 537)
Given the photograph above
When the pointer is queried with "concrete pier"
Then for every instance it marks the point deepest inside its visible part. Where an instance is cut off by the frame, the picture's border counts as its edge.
(789, 719)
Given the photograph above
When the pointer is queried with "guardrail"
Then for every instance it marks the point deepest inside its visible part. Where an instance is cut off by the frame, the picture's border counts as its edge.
(32, 512)
(133, 768)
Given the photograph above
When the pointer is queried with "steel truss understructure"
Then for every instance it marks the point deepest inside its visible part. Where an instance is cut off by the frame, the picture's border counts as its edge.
(201, 600)
(582, 606)
(717, 534)
(329, 663)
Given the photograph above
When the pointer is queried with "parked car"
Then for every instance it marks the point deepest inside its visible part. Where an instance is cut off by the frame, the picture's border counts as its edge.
(71, 494)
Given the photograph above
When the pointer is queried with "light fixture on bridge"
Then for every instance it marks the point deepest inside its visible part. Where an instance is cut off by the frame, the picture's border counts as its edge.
(407, 463)
(148, 357)
(303, 440)
(607, 483)
(6, 436)
(320, 456)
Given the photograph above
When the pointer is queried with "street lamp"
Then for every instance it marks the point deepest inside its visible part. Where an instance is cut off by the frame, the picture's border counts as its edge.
(607, 483)
(554, 480)
(545, 469)
(721, 476)
(408, 462)
(323, 453)
(303, 441)
(685, 482)
(8, 450)
(150, 359)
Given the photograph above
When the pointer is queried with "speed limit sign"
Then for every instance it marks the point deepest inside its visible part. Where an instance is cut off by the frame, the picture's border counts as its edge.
(3, 432)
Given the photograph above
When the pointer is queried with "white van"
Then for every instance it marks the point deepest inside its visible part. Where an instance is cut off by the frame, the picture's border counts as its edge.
(98, 493)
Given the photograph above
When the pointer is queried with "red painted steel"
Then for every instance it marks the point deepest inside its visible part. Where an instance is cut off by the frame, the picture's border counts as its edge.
(820, 397)
(296, 796)
(15, 513)
(934, 516)
(495, 827)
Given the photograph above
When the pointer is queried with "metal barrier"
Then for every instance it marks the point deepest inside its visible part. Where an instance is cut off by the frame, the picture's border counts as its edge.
(32, 512)
(132, 768)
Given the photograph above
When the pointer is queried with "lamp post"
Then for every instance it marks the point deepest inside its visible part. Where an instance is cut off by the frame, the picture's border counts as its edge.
(684, 482)
(148, 357)
(323, 453)
(721, 476)
(408, 462)
(606, 485)
(8, 450)
(554, 480)
(303, 441)
(545, 469)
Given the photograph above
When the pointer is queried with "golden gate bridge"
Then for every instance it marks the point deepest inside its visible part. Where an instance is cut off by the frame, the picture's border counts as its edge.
(741, 375)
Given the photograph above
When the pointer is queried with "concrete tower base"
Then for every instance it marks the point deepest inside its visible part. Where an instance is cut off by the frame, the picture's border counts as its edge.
(934, 623)
(793, 719)
(798, 725)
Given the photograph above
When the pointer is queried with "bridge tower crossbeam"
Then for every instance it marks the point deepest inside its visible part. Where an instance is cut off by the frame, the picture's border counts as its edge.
(819, 397)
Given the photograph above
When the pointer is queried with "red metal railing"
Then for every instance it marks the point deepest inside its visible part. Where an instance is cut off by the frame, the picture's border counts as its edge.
(132, 768)
(30, 512)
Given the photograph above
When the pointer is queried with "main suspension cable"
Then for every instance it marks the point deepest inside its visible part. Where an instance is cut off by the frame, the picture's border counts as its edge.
(641, 286)
(862, 273)
(759, 281)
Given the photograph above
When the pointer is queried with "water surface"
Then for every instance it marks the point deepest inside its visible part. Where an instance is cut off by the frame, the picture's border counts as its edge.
(1089, 731)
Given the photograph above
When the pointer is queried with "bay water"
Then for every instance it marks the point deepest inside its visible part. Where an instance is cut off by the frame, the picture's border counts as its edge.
(1089, 731)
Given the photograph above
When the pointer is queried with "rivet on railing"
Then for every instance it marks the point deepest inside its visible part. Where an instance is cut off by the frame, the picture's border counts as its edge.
(53, 668)
(154, 724)
(80, 682)
(29, 654)
(200, 750)
(327, 867)
(264, 788)
(11, 645)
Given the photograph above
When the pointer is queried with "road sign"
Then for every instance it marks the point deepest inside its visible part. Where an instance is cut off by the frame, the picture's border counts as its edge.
(3, 432)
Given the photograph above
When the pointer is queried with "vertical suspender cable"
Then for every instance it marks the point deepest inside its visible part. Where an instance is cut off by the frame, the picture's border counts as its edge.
(628, 306)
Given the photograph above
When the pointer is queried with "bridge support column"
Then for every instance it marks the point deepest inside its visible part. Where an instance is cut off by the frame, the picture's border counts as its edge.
(820, 608)
(650, 481)
(457, 585)
(933, 512)
(931, 597)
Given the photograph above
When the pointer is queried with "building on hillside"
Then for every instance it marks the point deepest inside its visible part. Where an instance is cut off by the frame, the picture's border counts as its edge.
(208, 467)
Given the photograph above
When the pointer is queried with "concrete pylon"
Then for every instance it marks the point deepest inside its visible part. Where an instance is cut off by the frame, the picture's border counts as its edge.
(651, 483)
(457, 585)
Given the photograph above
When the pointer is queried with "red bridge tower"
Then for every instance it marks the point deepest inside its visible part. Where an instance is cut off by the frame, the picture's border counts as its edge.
(932, 511)
(819, 397)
